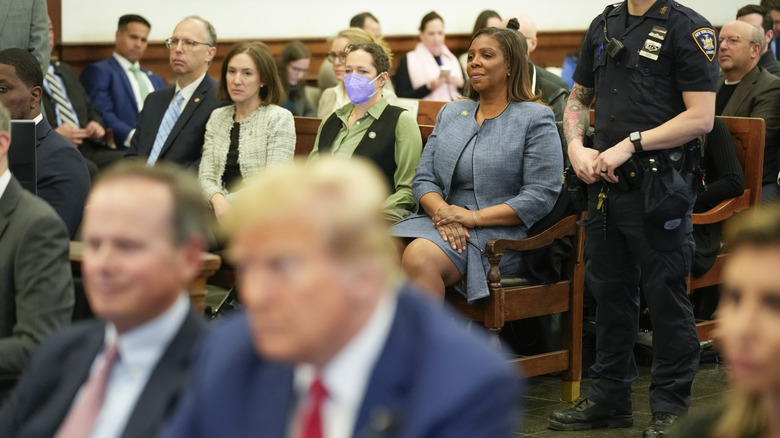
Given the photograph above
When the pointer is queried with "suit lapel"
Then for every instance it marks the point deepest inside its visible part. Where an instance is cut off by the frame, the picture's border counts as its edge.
(741, 94)
(8, 203)
(76, 366)
(166, 382)
(42, 129)
(157, 113)
(270, 400)
(124, 80)
(192, 105)
(391, 380)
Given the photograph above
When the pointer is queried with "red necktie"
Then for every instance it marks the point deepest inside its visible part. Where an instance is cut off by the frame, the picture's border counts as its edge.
(82, 415)
(312, 420)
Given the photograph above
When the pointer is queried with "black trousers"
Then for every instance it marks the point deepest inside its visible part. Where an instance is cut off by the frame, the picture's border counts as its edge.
(617, 263)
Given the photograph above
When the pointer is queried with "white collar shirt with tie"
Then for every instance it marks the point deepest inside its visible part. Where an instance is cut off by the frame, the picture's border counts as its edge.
(139, 351)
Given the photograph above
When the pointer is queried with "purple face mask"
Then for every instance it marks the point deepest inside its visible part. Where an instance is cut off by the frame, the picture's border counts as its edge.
(359, 88)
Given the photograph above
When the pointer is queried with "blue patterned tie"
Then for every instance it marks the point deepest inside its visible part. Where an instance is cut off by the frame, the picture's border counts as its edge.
(169, 119)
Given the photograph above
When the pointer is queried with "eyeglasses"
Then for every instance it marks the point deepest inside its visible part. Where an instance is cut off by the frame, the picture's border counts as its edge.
(733, 41)
(172, 43)
(341, 56)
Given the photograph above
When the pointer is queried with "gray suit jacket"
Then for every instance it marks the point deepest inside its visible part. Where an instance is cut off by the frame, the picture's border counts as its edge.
(36, 285)
(758, 95)
(61, 365)
(24, 25)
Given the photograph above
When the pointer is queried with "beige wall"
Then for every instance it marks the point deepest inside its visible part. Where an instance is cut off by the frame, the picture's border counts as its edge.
(237, 19)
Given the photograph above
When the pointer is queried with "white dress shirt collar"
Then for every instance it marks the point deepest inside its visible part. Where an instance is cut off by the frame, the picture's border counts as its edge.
(347, 375)
(5, 178)
(125, 63)
(38, 119)
(140, 350)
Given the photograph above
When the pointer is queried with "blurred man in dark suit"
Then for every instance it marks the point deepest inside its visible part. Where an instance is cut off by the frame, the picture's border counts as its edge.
(121, 374)
(36, 286)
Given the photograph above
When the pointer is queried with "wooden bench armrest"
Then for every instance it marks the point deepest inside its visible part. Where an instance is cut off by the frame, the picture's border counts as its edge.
(565, 227)
(724, 210)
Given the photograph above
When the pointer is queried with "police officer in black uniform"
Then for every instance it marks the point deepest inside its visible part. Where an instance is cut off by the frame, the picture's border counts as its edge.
(650, 67)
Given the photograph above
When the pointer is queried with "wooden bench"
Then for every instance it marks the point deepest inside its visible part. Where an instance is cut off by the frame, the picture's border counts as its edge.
(749, 137)
(197, 287)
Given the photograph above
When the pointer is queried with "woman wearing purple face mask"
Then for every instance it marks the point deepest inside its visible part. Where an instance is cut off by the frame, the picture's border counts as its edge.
(368, 127)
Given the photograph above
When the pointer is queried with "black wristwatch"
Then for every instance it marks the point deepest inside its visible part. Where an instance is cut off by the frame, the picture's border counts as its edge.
(636, 138)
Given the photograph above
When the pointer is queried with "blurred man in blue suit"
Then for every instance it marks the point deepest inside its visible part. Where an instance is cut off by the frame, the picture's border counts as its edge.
(330, 345)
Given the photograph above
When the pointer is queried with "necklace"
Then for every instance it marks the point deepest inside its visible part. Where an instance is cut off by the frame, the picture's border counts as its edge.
(496, 114)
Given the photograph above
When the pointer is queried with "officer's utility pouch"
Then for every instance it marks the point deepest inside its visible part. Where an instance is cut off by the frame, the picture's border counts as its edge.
(668, 198)
(630, 175)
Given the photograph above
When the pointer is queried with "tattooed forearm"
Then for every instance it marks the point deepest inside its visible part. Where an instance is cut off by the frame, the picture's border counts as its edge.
(576, 118)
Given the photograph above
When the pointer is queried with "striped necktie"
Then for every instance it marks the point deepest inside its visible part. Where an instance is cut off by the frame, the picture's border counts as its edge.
(169, 119)
(84, 412)
(139, 78)
(62, 104)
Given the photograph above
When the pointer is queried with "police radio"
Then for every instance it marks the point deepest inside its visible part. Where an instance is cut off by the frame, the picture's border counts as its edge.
(614, 47)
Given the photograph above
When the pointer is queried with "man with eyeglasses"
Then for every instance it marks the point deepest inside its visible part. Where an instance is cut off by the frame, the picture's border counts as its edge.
(746, 90)
(118, 85)
(173, 122)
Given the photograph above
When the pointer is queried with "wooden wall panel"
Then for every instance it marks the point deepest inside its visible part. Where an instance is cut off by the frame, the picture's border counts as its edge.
(552, 48)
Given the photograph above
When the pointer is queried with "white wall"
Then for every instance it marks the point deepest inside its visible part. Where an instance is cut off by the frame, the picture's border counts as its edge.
(95, 20)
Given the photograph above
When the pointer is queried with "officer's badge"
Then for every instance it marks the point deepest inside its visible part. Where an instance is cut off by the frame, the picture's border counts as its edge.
(651, 49)
(705, 38)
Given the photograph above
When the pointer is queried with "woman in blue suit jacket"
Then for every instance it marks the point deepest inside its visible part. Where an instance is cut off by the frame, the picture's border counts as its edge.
(491, 169)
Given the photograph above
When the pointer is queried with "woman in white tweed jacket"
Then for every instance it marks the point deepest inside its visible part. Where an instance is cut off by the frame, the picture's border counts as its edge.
(255, 132)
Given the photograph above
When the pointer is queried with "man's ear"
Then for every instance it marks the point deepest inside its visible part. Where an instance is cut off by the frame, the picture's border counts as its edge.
(35, 95)
(5, 145)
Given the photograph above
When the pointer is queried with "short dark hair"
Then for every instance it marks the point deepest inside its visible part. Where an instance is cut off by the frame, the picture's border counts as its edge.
(124, 20)
(189, 215)
(430, 16)
(771, 5)
(766, 18)
(380, 60)
(482, 19)
(292, 51)
(27, 67)
(360, 19)
(519, 82)
(273, 91)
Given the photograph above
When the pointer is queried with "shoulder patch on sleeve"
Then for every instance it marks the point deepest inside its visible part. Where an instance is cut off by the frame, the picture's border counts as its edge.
(705, 39)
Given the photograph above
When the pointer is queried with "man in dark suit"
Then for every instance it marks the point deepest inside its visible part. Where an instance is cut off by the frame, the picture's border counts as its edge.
(118, 85)
(122, 374)
(746, 90)
(62, 175)
(759, 17)
(330, 342)
(36, 287)
(192, 47)
(68, 107)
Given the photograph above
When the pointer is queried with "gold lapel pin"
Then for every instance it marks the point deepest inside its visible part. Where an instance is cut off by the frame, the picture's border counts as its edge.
(197, 99)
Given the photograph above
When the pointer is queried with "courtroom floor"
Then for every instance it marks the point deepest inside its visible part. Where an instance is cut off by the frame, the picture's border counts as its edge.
(543, 395)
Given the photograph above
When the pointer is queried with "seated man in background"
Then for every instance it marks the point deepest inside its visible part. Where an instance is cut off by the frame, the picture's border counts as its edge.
(330, 342)
(746, 90)
(36, 286)
(555, 91)
(173, 122)
(118, 85)
(68, 107)
(760, 18)
(62, 176)
(122, 374)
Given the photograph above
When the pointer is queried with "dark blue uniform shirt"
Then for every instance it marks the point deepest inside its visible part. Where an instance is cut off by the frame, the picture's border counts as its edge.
(669, 50)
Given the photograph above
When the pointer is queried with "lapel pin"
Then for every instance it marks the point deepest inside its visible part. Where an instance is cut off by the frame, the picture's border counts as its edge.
(250, 132)
(197, 99)
(372, 135)
(464, 113)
